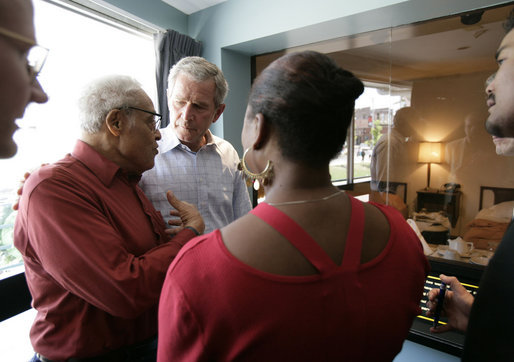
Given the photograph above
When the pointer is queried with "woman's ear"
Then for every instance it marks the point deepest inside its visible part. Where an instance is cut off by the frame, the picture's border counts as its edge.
(261, 131)
(114, 121)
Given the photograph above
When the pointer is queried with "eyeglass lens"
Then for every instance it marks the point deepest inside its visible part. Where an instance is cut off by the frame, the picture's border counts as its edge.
(36, 56)
(157, 122)
(156, 118)
(36, 59)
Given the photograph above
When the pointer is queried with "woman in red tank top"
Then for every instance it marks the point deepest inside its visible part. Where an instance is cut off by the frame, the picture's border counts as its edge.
(306, 274)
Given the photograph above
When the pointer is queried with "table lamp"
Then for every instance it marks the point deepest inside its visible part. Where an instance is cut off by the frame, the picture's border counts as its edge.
(429, 152)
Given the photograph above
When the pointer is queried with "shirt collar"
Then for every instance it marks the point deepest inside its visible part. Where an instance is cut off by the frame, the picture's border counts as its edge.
(99, 165)
(169, 139)
(396, 134)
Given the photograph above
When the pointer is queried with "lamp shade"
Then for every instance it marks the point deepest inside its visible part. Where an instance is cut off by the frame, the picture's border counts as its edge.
(429, 152)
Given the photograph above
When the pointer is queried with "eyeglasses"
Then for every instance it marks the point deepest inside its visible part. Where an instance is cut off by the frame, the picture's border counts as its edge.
(36, 56)
(156, 116)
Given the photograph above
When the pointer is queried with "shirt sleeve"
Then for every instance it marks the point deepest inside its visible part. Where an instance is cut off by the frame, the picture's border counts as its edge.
(380, 158)
(77, 244)
(489, 335)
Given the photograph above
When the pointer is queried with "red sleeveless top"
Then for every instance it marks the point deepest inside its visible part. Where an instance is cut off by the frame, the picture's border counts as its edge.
(214, 307)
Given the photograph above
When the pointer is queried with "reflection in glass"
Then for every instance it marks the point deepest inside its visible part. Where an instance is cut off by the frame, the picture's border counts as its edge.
(438, 68)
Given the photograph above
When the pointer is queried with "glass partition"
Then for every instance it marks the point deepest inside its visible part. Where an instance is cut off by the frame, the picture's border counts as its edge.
(418, 140)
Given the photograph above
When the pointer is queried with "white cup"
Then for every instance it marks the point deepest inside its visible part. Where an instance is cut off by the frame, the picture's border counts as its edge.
(461, 246)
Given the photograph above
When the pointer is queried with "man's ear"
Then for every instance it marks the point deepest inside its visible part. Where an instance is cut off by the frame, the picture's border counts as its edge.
(218, 113)
(114, 121)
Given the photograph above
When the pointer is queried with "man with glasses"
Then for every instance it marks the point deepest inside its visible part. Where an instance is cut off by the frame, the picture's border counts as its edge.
(197, 166)
(21, 60)
(95, 250)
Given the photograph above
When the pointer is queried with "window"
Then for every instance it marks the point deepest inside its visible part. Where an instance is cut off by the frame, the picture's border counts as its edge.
(372, 119)
(81, 49)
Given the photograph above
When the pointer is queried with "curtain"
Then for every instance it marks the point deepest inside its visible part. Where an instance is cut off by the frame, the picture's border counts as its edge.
(170, 47)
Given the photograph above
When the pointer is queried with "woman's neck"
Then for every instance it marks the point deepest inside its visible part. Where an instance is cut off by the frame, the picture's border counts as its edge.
(292, 182)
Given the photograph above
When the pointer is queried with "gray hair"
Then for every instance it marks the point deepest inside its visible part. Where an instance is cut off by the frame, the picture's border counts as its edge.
(103, 95)
(199, 70)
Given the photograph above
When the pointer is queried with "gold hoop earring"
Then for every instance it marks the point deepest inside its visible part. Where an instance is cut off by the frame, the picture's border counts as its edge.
(257, 179)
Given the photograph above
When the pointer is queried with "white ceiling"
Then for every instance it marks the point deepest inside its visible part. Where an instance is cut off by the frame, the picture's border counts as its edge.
(192, 6)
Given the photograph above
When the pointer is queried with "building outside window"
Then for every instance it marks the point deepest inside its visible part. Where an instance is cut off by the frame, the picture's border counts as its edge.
(374, 111)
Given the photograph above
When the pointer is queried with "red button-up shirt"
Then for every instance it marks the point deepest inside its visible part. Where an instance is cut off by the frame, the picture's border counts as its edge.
(95, 255)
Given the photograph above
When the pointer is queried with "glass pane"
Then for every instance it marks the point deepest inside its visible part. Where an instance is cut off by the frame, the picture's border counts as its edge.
(339, 166)
(80, 49)
(439, 69)
(10, 258)
(372, 108)
(454, 157)
(375, 110)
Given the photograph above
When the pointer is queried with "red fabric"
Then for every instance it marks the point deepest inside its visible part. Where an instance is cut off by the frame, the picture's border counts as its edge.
(95, 256)
(214, 307)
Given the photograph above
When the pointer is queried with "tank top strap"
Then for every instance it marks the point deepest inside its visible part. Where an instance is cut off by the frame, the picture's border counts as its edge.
(353, 248)
(352, 287)
(295, 234)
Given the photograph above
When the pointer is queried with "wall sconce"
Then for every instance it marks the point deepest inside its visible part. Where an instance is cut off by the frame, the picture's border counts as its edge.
(429, 152)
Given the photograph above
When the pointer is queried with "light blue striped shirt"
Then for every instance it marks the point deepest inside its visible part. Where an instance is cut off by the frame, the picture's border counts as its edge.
(209, 179)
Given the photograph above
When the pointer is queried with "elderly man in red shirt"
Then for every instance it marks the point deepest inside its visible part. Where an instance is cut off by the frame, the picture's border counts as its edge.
(95, 250)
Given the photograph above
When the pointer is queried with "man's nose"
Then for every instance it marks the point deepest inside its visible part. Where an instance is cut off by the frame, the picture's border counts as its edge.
(38, 95)
(188, 111)
(489, 88)
(157, 135)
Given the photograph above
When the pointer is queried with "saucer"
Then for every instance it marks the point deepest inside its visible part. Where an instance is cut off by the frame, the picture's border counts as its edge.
(467, 255)
(441, 249)
(481, 260)
(480, 252)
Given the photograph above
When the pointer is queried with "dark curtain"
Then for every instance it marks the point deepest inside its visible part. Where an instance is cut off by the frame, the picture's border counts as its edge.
(170, 47)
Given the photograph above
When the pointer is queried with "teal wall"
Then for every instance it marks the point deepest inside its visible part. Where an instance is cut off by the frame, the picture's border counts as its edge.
(233, 31)
(236, 68)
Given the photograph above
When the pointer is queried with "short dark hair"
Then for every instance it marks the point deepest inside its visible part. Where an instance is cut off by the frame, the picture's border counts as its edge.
(199, 70)
(309, 100)
(405, 119)
(509, 23)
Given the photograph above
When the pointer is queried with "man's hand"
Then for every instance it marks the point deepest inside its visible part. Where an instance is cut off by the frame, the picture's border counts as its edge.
(16, 203)
(456, 306)
(187, 214)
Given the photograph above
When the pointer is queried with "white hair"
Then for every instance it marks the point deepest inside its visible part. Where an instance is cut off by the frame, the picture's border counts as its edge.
(103, 95)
